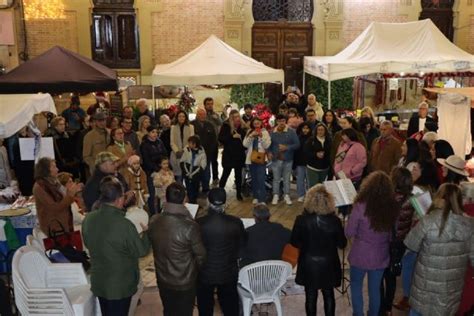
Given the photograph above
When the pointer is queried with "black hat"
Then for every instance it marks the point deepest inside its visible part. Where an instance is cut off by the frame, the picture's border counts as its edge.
(217, 196)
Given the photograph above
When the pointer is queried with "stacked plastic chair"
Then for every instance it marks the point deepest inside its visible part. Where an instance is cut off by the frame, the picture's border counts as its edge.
(43, 288)
(261, 282)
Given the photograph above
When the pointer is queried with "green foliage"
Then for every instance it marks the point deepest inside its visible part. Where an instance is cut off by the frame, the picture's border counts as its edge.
(341, 91)
(248, 93)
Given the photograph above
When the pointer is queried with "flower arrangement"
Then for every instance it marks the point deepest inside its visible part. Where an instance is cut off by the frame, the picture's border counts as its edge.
(262, 111)
(186, 101)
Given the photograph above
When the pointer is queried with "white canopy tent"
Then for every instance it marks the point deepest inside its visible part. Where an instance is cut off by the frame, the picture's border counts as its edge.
(215, 62)
(17, 110)
(413, 47)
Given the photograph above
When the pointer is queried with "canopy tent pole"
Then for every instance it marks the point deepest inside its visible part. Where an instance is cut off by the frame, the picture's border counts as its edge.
(329, 94)
(304, 82)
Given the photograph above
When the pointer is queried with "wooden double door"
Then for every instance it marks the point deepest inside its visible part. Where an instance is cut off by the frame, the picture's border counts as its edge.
(283, 45)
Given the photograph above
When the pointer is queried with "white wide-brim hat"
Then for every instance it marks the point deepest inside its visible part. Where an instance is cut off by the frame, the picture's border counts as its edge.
(455, 164)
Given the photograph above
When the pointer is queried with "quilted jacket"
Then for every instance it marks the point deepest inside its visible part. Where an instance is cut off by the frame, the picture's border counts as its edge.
(442, 262)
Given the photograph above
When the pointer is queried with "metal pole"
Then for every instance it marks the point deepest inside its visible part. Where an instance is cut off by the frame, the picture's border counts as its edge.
(329, 94)
(304, 81)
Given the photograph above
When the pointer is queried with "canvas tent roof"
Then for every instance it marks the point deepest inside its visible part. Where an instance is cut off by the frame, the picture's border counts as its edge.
(392, 48)
(215, 62)
(16, 110)
(59, 70)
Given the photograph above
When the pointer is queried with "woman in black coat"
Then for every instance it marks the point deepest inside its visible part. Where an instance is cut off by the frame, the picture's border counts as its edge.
(152, 150)
(317, 151)
(318, 233)
(231, 135)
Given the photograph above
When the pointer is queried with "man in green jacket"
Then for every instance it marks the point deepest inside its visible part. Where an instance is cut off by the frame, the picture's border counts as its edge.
(115, 247)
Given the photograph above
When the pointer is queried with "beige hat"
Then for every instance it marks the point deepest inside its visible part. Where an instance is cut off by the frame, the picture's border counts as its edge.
(455, 164)
(105, 156)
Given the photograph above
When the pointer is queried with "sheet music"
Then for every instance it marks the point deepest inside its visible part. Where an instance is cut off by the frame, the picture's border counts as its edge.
(192, 208)
(248, 222)
(333, 188)
(421, 203)
(348, 190)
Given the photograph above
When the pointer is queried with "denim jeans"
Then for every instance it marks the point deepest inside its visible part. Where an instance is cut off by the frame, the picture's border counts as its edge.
(374, 280)
(281, 169)
(206, 177)
(414, 313)
(301, 182)
(408, 267)
(258, 173)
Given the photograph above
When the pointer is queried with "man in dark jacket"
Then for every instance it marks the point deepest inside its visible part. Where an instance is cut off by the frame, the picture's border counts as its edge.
(104, 166)
(223, 236)
(216, 121)
(178, 251)
(129, 134)
(207, 134)
(266, 240)
(417, 121)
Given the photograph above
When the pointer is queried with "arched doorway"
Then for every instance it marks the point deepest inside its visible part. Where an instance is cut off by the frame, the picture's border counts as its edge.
(282, 35)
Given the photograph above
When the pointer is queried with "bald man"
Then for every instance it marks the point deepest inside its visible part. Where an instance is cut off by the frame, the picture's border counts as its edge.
(207, 133)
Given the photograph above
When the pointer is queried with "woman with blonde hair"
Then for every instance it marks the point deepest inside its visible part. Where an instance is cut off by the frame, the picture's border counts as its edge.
(318, 233)
(374, 213)
(443, 238)
(143, 123)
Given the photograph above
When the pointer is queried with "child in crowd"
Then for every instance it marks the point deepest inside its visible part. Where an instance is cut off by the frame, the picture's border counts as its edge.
(193, 163)
(294, 119)
(136, 180)
(162, 179)
(247, 117)
(283, 110)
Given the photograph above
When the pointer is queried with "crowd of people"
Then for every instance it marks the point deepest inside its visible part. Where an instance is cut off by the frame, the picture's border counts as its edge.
(158, 164)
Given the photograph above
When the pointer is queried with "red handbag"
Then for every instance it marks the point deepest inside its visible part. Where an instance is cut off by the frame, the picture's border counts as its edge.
(61, 238)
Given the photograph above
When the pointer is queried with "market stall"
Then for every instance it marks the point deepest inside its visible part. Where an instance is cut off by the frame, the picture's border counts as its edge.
(17, 219)
(386, 48)
(59, 70)
(215, 63)
(17, 110)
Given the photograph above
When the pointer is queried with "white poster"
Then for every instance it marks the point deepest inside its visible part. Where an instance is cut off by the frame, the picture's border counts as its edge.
(27, 148)
(393, 84)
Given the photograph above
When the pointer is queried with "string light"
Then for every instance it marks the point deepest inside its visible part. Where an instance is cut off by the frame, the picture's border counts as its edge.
(40, 9)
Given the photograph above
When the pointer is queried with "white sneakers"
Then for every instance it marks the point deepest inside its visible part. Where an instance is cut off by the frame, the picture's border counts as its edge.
(301, 199)
(275, 199)
(286, 198)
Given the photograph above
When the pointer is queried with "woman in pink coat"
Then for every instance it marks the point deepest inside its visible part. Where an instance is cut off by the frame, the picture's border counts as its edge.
(351, 156)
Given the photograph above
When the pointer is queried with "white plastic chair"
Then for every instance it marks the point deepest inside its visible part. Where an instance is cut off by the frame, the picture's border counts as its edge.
(43, 288)
(35, 243)
(261, 282)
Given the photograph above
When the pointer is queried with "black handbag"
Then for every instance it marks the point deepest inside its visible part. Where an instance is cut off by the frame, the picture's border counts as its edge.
(397, 251)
